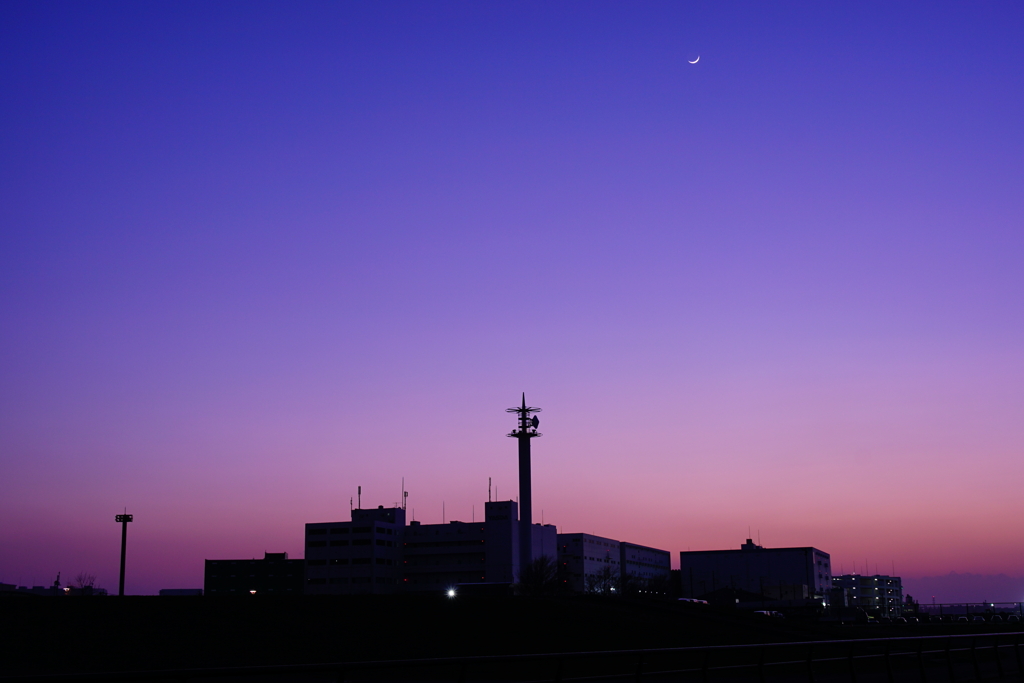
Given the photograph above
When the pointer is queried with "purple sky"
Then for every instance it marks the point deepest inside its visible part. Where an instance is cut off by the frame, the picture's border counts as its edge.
(253, 255)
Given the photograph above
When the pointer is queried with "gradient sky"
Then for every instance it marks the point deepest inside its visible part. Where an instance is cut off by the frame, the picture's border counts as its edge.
(253, 255)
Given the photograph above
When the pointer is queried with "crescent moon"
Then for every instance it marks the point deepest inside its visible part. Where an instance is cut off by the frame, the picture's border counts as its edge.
(695, 61)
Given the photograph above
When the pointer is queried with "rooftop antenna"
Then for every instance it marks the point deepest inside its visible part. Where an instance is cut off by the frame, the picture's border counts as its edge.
(488, 489)
(403, 492)
(442, 512)
(405, 499)
(359, 492)
(474, 514)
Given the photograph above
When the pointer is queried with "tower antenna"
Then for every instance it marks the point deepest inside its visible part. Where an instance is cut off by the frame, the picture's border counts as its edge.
(488, 489)
(525, 431)
(359, 492)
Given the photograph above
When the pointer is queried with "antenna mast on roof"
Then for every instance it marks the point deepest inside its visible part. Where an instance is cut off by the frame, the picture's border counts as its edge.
(359, 492)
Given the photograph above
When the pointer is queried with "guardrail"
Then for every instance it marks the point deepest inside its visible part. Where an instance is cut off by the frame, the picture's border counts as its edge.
(925, 659)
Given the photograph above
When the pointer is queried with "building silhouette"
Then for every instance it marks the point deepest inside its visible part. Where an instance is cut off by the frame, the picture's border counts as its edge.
(791, 575)
(363, 555)
(275, 574)
(377, 553)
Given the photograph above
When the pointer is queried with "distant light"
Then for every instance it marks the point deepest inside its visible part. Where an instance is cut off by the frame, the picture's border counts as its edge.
(451, 592)
(252, 592)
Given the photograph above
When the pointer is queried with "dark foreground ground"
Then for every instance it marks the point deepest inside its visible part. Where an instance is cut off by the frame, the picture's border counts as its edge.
(83, 634)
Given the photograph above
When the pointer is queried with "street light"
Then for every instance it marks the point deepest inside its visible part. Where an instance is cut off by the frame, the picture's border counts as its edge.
(123, 521)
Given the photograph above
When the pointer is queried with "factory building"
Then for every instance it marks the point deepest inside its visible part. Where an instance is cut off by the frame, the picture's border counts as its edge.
(377, 553)
(363, 555)
(879, 595)
(644, 569)
(275, 574)
(441, 556)
(781, 574)
(588, 563)
(595, 564)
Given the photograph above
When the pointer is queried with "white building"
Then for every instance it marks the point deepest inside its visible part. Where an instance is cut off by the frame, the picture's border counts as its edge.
(878, 594)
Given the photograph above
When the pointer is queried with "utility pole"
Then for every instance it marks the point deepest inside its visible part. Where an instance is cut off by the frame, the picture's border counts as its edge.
(123, 520)
(527, 429)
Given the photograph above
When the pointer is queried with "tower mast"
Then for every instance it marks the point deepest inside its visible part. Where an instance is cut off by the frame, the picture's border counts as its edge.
(526, 430)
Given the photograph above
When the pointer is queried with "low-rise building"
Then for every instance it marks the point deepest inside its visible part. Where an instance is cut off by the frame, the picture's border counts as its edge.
(879, 594)
(588, 563)
(780, 574)
(181, 592)
(275, 574)
(644, 569)
(594, 564)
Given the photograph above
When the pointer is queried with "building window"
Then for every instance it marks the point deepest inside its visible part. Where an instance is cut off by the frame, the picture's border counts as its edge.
(341, 580)
(317, 582)
(317, 563)
(316, 532)
(339, 530)
(342, 560)
(361, 541)
(317, 544)
(360, 560)
(338, 543)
